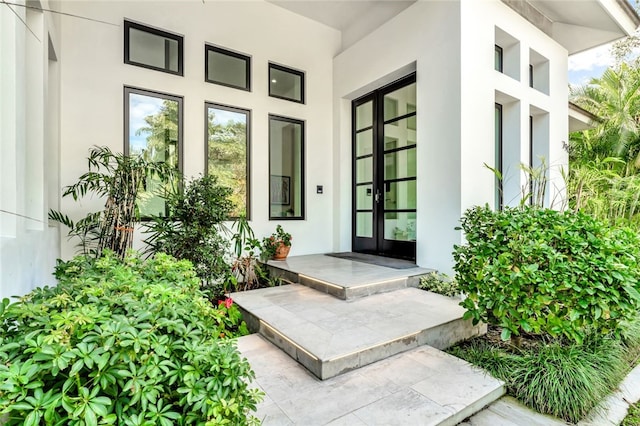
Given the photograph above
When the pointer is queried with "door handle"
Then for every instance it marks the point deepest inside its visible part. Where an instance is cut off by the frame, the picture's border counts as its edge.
(377, 197)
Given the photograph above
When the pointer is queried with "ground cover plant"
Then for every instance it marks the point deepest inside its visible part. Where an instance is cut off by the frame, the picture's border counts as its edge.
(131, 342)
(439, 283)
(633, 417)
(559, 291)
(555, 377)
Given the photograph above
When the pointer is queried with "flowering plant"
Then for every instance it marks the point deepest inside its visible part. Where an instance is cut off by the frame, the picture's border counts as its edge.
(270, 244)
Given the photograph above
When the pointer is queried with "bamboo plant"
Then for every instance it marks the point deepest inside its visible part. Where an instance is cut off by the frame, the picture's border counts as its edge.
(121, 180)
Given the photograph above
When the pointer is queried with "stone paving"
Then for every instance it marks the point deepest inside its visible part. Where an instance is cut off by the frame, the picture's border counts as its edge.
(330, 336)
(423, 386)
(396, 378)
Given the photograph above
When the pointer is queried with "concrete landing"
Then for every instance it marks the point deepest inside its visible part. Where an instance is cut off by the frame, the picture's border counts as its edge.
(330, 336)
(342, 278)
(421, 387)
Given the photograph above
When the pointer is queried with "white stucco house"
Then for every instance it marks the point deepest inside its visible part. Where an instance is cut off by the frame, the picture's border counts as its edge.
(360, 125)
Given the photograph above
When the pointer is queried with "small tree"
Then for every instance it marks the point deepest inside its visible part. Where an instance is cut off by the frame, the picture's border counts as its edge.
(120, 179)
(194, 228)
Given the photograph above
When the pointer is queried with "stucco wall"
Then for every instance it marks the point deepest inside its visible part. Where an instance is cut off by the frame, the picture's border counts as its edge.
(28, 148)
(450, 45)
(94, 74)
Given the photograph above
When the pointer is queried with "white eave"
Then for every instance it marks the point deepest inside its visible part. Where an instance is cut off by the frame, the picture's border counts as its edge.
(580, 118)
(579, 25)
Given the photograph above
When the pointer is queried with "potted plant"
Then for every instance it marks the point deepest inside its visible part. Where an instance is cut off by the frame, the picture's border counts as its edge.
(277, 245)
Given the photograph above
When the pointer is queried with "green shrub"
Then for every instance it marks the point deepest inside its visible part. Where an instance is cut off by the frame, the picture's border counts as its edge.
(129, 343)
(543, 271)
(439, 283)
(193, 230)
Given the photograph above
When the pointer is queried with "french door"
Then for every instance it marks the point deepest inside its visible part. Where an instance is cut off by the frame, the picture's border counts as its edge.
(384, 171)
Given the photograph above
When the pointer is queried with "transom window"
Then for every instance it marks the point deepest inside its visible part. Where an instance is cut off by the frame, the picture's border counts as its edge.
(153, 48)
(286, 83)
(227, 68)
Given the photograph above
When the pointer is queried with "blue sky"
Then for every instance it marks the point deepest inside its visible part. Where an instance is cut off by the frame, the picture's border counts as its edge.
(588, 64)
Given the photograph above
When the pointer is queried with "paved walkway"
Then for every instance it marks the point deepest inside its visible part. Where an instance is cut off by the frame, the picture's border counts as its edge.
(423, 386)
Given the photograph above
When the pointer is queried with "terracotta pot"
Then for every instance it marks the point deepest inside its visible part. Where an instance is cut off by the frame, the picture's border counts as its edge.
(282, 252)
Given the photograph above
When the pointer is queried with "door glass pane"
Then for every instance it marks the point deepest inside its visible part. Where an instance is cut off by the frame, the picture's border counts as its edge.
(364, 115)
(400, 164)
(364, 170)
(364, 143)
(398, 103)
(364, 197)
(400, 195)
(399, 134)
(364, 224)
(400, 226)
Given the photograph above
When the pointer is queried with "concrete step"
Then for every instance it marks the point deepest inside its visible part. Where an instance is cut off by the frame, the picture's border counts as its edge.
(423, 386)
(330, 336)
(342, 278)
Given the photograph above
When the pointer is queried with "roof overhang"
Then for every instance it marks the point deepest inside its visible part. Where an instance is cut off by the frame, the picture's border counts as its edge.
(579, 25)
(353, 18)
(580, 119)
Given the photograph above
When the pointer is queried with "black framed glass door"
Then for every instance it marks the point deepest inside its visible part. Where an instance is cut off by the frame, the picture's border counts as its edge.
(384, 171)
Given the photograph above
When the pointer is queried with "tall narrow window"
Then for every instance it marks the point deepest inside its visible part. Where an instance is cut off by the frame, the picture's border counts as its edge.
(227, 68)
(153, 48)
(227, 152)
(498, 58)
(530, 75)
(286, 168)
(286, 83)
(531, 159)
(153, 129)
(499, 201)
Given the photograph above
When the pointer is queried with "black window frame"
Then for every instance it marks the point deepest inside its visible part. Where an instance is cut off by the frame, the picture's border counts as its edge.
(500, 53)
(289, 70)
(211, 47)
(128, 25)
(153, 93)
(531, 76)
(302, 168)
(230, 108)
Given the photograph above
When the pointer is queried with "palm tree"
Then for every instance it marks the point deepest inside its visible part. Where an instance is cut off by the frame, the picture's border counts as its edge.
(614, 97)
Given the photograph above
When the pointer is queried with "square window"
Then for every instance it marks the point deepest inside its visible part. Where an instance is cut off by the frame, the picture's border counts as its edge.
(152, 48)
(227, 152)
(286, 83)
(227, 68)
(153, 129)
(286, 168)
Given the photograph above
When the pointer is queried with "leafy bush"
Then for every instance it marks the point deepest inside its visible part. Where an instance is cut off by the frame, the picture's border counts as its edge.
(565, 381)
(439, 283)
(130, 343)
(193, 230)
(543, 271)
